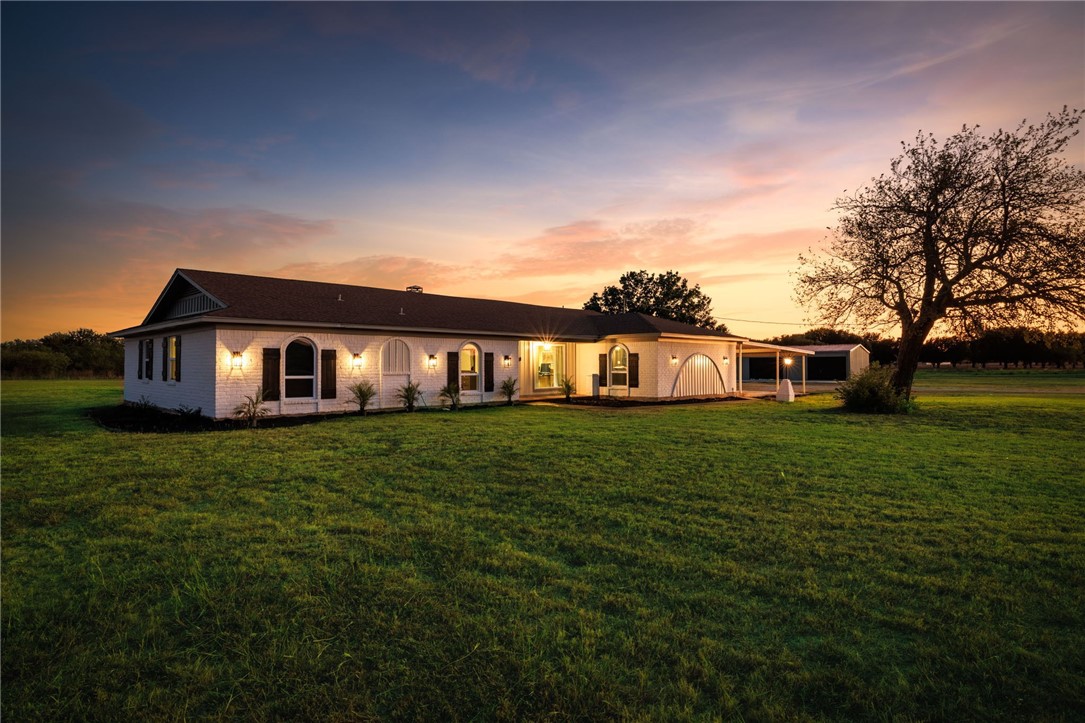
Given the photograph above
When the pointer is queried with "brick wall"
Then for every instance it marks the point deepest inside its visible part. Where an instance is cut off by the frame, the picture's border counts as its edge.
(233, 384)
(196, 387)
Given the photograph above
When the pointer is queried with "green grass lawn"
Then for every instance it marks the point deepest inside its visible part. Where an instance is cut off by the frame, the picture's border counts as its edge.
(741, 560)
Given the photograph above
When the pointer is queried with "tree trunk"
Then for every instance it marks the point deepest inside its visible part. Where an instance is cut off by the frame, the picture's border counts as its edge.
(908, 353)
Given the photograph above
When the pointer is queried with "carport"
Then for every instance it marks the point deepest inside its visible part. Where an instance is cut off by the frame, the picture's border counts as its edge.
(752, 352)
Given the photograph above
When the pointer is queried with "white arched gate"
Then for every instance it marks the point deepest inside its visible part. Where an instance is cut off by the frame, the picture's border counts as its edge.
(699, 377)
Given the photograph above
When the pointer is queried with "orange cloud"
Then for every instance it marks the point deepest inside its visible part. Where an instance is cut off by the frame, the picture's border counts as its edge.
(390, 272)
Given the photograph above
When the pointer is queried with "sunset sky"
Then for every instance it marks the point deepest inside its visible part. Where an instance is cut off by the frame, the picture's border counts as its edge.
(523, 152)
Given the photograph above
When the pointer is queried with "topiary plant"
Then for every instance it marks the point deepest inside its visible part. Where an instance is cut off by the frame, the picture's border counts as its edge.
(508, 388)
(362, 393)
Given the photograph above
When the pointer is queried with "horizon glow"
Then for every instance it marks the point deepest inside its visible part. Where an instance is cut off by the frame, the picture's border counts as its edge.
(526, 152)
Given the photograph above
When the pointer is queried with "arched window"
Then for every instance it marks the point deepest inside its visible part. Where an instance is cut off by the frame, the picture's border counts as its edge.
(396, 357)
(300, 370)
(619, 367)
(469, 368)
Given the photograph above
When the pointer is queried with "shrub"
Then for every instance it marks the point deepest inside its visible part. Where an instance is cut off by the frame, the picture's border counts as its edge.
(409, 395)
(451, 392)
(362, 393)
(34, 363)
(508, 388)
(189, 413)
(567, 388)
(252, 409)
(872, 391)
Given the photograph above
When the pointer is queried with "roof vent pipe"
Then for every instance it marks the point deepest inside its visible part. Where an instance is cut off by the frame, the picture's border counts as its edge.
(340, 298)
(415, 288)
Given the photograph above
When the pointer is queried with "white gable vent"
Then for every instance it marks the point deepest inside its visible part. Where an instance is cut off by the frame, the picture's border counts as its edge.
(415, 288)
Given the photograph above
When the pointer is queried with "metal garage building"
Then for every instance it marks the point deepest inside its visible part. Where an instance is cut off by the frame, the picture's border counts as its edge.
(830, 362)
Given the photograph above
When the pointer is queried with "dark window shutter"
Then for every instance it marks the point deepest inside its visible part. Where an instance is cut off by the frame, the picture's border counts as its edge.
(634, 371)
(178, 377)
(454, 367)
(327, 373)
(139, 362)
(165, 358)
(271, 374)
(488, 370)
(602, 370)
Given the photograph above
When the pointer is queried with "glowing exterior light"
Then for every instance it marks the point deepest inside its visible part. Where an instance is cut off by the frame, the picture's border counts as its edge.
(237, 359)
(432, 361)
(674, 360)
(506, 361)
(356, 361)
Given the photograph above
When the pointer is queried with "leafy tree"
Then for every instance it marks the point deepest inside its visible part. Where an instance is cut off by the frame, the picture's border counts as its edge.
(974, 232)
(665, 295)
(82, 352)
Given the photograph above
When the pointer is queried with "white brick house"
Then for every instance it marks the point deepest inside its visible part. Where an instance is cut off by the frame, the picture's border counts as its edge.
(212, 338)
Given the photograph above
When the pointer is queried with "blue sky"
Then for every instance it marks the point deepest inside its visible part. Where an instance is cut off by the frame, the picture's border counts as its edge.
(519, 151)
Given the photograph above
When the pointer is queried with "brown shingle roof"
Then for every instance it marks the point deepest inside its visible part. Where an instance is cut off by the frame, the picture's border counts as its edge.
(266, 299)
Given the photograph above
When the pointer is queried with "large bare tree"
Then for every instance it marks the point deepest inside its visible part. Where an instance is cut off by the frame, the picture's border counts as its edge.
(972, 232)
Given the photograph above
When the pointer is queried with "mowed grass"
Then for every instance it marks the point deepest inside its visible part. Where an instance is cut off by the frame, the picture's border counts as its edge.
(741, 560)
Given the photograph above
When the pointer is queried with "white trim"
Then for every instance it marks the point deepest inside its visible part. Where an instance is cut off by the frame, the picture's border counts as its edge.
(316, 371)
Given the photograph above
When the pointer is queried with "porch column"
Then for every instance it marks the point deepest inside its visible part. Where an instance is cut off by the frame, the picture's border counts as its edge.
(804, 374)
(777, 370)
(738, 371)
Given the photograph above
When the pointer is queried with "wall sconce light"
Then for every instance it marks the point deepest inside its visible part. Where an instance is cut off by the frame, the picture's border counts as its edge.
(432, 361)
(506, 361)
(547, 346)
(726, 360)
(356, 361)
(674, 360)
(237, 359)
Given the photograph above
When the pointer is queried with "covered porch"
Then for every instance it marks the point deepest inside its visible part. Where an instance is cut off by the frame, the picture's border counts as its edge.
(783, 359)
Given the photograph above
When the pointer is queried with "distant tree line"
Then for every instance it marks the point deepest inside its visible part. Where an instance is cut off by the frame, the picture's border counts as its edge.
(1005, 347)
(79, 353)
(882, 349)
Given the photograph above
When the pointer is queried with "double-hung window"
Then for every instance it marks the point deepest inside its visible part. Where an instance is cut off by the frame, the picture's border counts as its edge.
(146, 358)
(619, 367)
(173, 358)
(469, 368)
(300, 370)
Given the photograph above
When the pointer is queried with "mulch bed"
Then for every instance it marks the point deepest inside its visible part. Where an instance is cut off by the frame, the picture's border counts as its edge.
(133, 418)
(618, 403)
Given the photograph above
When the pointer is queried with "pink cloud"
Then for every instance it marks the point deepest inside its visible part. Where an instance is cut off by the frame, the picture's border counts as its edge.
(234, 232)
(388, 272)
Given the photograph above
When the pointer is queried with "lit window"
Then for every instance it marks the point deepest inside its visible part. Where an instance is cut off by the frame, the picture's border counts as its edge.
(469, 369)
(619, 367)
(549, 360)
(300, 370)
(173, 358)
